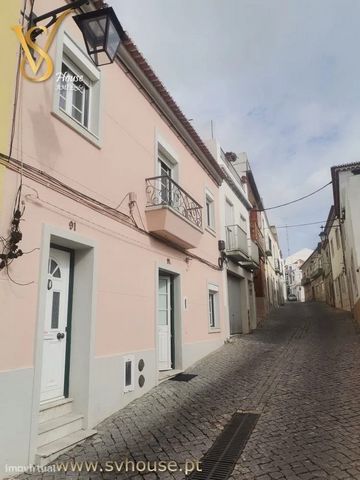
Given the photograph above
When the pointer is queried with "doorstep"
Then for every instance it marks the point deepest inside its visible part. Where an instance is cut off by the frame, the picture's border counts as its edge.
(166, 374)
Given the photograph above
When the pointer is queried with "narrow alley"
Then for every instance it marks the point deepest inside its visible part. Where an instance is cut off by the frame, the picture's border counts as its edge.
(299, 372)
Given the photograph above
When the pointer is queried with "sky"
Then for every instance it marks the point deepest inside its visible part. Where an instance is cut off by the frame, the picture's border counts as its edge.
(280, 79)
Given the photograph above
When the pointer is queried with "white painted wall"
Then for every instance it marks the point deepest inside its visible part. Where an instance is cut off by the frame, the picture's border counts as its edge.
(293, 263)
(349, 190)
(241, 206)
(275, 281)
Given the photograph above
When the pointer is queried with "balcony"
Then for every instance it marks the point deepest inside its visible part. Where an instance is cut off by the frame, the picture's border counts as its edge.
(231, 167)
(253, 261)
(317, 272)
(236, 243)
(277, 266)
(171, 213)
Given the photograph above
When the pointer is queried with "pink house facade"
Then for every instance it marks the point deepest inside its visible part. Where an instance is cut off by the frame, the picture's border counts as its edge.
(120, 283)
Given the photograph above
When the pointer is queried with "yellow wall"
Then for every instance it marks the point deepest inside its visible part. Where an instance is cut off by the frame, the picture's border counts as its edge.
(9, 15)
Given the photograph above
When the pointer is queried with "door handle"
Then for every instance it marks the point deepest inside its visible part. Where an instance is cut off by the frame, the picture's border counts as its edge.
(59, 336)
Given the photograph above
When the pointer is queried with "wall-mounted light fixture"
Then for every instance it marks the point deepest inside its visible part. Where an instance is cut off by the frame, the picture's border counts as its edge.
(322, 235)
(101, 30)
(102, 34)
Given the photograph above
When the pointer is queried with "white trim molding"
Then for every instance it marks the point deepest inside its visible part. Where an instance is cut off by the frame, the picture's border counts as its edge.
(66, 46)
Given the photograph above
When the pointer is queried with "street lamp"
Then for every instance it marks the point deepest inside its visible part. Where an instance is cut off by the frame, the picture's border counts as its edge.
(102, 34)
(101, 30)
(322, 235)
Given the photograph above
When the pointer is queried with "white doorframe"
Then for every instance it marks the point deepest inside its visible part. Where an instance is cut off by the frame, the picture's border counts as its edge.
(163, 269)
(83, 336)
(164, 323)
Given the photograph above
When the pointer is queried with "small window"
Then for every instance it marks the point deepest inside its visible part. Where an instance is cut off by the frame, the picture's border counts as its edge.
(213, 307)
(74, 96)
(229, 213)
(54, 269)
(332, 247)
(129, 373)
(243, 222)
(337, 237)
(55, 310)
(210, 212)
(77, 90)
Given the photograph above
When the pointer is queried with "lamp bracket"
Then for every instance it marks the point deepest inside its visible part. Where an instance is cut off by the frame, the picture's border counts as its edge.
(53, 15)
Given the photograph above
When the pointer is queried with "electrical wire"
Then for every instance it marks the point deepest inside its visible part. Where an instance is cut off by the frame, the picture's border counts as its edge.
(296, 225)
(142, 223)
(56, 185)
(294, 201)
(14, 281)
(125, 238)
(30, 251)
(10, 249)
(122, 201)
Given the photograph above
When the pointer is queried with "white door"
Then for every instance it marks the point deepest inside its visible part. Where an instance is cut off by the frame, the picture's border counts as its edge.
(234, 287)
(54, 341)
(164, 324)
(229, 225)
(229, 213)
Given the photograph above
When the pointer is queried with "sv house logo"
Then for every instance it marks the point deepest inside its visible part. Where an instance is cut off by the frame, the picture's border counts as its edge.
(33, 55)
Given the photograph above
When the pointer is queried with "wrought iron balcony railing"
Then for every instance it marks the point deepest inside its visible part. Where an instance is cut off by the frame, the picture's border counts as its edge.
(163, 191)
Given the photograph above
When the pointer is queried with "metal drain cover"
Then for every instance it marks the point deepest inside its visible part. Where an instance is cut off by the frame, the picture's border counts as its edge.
(219, 462)
(183, 377)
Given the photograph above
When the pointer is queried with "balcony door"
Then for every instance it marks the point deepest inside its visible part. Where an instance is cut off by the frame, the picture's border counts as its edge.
(229, 213)
(166, 172)
(229, 224)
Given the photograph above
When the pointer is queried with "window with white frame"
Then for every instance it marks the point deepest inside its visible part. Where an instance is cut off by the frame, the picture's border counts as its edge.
(213, 293)
(243, 222)
(337, 237)
(210, 211)
(77, 90)
(129, 373)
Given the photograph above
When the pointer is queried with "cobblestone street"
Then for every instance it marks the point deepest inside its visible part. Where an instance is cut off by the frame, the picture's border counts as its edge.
(300, 372)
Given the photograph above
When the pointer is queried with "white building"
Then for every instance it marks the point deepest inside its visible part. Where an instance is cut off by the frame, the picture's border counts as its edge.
(274, 265)
(346, 189)
(294, 273)
(337, 262)
(242, 257)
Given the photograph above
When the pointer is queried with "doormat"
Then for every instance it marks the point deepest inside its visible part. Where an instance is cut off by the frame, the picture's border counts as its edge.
(183, 377)
(219, 462)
